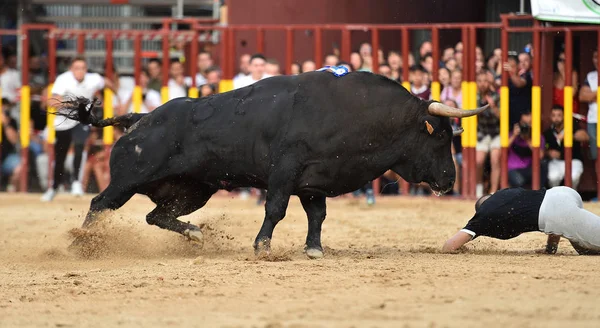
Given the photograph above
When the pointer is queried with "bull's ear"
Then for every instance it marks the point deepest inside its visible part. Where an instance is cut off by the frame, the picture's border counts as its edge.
(429, 127)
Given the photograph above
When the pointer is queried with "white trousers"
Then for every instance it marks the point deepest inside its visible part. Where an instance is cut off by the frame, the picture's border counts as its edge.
(562, 213)
(556, 172)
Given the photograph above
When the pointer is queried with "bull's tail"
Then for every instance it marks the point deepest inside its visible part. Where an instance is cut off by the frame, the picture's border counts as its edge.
(80, 109)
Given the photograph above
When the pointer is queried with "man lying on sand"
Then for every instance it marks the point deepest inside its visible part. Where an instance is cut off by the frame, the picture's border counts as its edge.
(511, 212)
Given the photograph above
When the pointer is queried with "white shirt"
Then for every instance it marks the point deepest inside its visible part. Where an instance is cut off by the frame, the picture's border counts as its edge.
(67, 85)
(200, 80)
(176, 90)
(10, 81)
(592, 81)
(237, 80)
(248, 80)
(152, 100)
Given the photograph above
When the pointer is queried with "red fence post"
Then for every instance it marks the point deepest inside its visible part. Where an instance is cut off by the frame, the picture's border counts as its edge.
(346, 44)
(289, 49)
(466, 176)
(165, 66)
(231, 53)
(260, 40)
(536, 111)
(50, 121)
(318, 47)
(473, 103)
(194, 65)
(504, 116)
(80, 43)
(375, 50)
(597, 145)
(25, 110)
(568, 99)
(405, 186)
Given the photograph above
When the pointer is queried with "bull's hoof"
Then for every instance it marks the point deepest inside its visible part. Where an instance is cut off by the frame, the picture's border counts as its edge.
(195, 236)
(314, 253)
(262, 246)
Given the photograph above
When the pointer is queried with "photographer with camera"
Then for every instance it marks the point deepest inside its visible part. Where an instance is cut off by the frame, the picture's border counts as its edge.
(556, 152)
(520, 155)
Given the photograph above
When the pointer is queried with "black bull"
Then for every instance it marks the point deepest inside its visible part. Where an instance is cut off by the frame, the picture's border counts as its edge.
(313, 135)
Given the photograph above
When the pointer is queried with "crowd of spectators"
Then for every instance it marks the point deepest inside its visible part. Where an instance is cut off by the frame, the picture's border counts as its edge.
(80, 151)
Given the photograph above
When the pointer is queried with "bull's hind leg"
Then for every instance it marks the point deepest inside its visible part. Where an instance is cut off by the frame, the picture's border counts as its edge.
(280, 187)
(316, 210)
(182, 202)
(112, 198)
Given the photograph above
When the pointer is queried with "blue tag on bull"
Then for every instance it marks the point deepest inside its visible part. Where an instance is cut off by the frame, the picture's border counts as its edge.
(336, 70)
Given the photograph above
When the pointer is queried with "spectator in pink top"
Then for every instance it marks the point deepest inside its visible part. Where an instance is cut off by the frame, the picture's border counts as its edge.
(454, 90)
(520, 153)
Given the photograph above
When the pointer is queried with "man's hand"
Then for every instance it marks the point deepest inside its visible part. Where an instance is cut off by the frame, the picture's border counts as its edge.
(554, 154)
(561, 135)
(516, 129)
(581, 136)
(509, 68)
(5, 119)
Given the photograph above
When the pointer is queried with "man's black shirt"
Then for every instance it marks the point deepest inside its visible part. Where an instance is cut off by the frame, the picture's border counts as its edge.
(507, 214)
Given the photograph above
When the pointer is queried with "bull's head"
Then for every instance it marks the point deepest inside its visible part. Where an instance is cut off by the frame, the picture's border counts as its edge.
(432, 157)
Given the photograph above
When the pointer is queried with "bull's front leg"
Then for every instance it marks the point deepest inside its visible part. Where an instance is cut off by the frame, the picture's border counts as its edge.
(316, 210)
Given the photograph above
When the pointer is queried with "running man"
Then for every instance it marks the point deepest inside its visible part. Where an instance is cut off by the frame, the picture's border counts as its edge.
(511, 212)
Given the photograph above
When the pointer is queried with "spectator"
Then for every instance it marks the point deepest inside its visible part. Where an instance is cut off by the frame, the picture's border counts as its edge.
(331, 60)
(79, 83)
(96, 161)
(213, 75)
(356, 61)
(10, 81)
(345, 64)
(308, 66)
(488, 134)
(272, 67)
(257, 71)
(479, 66)
(427, 62)
(385, 70)
(205, 61)
(555, 150)
(451, 64)
(559, 84)
(426, 48)
(395, 63)
(447, 54)
(244, 68)
(11, 160)
(458, 56)
(444, 77)
(295, 69)
(454, 90)
(588, 95)
(178, 83)
(458, 48)
(492, 63)
(418, 86)
(38, 80)
(456, 148)
(366, 53)
(520, 154)
(519, 88)
(207, 90)
(151, 99)
(524, 62)
(154, 72)
(479, 53)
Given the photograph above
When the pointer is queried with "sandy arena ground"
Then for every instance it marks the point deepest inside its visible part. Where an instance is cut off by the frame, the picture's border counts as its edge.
(382, 269)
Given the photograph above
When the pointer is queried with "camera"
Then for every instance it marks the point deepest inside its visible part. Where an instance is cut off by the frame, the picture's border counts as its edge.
(525, 129)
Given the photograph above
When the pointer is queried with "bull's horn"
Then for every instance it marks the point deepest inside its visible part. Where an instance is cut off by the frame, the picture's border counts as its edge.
(458, 131)
(440, 109)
